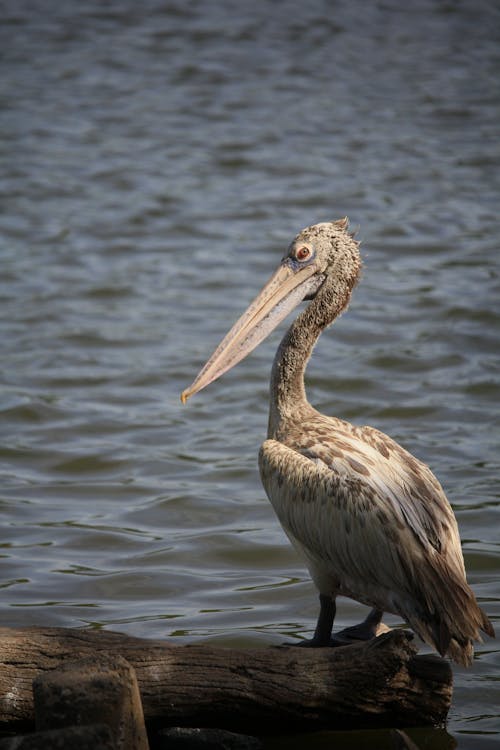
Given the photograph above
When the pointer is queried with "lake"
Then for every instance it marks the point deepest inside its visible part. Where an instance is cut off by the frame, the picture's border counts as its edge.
(157, 159)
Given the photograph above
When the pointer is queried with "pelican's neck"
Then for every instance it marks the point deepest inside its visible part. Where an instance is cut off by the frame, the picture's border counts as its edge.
(288, 394)
(288, 400)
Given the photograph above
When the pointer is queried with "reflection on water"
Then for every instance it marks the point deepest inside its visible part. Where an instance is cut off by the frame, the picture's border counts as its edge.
(157, 160)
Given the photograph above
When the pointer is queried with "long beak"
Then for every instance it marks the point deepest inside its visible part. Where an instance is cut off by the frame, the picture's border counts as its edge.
(284, 290)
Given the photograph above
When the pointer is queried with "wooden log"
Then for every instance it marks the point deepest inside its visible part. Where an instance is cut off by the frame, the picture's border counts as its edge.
(275, 689)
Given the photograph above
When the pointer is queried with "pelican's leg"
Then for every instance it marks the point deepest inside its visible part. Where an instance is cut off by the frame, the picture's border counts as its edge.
(323, 632)
(365, 631)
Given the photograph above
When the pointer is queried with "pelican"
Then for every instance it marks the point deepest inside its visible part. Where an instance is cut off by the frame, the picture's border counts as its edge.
(371, 521)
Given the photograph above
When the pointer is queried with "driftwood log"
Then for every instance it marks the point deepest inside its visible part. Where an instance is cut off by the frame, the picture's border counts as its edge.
(261, 691)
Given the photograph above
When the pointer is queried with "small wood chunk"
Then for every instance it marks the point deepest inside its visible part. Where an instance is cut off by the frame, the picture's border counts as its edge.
(98, 690)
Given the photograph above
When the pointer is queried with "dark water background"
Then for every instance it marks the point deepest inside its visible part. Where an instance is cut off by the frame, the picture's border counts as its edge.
(156, 159)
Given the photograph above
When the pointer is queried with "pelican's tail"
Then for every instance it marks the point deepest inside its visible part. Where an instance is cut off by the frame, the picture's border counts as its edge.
(462, 650)
(449, 640)
(453, 619)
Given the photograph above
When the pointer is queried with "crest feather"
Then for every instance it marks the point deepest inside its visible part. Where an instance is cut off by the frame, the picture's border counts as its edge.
(341, 223)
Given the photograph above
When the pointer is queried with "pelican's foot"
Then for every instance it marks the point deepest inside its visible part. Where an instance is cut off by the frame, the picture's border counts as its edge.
(308, 643)
(313, 643)
(345, 637)
(362, 632)
(370, 628)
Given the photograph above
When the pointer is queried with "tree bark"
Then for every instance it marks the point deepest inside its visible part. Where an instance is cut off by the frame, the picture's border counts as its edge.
(275, 689)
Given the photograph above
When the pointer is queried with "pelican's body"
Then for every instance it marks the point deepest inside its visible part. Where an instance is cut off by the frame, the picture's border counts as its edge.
(371, 521)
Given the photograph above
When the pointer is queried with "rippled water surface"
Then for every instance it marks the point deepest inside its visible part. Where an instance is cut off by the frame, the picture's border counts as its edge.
(157, 158)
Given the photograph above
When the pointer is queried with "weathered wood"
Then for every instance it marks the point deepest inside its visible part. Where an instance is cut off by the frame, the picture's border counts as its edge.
(96, 690)
(272, 689)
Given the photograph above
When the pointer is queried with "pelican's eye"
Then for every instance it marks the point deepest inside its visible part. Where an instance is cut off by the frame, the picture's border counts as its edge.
(303, 253)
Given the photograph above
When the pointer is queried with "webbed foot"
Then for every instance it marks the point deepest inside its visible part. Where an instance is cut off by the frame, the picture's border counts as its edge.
(370, 628)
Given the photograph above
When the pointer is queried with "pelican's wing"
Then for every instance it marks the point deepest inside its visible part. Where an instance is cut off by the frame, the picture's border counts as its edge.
(371, 530)
(414, 491)
(339, 505)
(394, 477)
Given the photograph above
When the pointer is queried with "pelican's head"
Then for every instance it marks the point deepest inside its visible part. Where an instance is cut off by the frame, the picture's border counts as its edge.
(319, 252)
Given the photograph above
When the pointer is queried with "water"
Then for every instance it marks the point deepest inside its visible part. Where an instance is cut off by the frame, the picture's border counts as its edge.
(157, 158)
